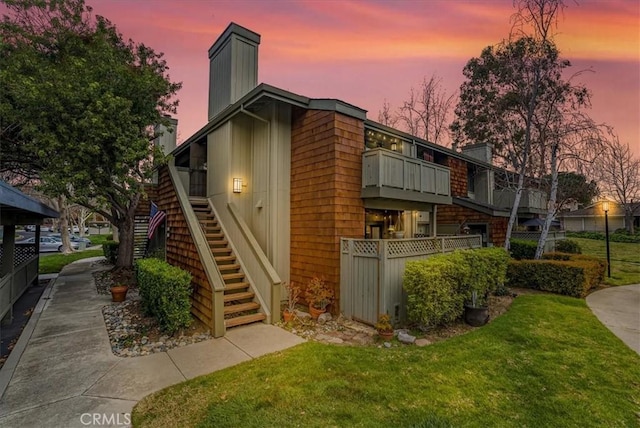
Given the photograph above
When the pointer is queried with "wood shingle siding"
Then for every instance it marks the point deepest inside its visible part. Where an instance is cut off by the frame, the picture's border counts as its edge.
(326, 181)
(181, 250)
(454, 214)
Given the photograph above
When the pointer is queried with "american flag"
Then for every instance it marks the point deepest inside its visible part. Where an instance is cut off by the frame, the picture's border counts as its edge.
(156, 218)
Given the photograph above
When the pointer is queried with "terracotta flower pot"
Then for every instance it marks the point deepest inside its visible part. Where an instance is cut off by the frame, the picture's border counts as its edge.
(119, 293)
(315, 312)
(386, 335)
(287, 316)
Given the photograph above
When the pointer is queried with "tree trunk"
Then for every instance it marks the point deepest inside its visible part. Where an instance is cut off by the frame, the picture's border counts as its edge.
(551, 209)
(628, 218)
(64, 225)
(125, 237)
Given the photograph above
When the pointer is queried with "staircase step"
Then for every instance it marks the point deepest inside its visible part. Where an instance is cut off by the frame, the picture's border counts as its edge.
(232, 266)
(239, 296)
(245, 319)
(217, 242)
(221, 250)
(241, 307)
(220, 259)
(214, 235)
(236, 286)
(199, 210)
(231, 276)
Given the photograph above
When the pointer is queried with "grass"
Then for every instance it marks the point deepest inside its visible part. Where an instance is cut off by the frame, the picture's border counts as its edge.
(55, 262)
(98, 239)
(625, 260)
(547, 362)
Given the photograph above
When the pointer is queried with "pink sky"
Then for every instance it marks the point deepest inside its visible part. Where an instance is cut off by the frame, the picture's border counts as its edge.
(365, 51)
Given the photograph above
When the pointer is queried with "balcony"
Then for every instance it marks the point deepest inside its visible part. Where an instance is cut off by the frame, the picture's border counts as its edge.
(390, 175)
(531, 201)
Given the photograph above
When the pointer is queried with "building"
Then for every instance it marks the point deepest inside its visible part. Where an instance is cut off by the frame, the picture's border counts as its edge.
(591, 218)
(266, 190)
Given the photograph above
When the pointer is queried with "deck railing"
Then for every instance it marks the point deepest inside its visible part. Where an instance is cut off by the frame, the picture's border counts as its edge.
(14, 284)
(371, 272)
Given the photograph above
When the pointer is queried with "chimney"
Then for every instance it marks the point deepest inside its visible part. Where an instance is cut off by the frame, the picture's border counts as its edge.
(233, 67)
(480, 151)
(167, 141)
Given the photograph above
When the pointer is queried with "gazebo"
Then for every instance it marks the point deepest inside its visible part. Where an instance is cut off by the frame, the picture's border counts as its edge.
(18, 263)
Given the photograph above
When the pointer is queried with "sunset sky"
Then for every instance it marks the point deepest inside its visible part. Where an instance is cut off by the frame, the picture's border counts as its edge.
(365, 51)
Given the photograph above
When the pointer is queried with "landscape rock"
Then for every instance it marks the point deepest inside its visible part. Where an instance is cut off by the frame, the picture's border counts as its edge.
(324, 318)
(422, 342)
(405, 337)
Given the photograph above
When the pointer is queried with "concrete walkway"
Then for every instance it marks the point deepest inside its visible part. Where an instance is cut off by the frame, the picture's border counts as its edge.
(618, 308)
(62, 371)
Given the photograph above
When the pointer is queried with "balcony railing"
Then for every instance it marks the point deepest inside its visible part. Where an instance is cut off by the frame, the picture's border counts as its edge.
(387, 174)
(531, 199)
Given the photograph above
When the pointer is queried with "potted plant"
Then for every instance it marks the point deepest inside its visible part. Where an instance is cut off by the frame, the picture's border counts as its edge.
(293, 294)
(319, 296)
(476, 313)
(384, 327)
(119, 292)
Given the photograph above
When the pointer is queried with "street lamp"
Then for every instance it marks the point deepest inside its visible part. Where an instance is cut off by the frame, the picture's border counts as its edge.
(605, 208)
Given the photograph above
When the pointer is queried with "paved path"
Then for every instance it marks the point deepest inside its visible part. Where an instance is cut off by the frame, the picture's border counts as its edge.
(618, 308)
(62, 371)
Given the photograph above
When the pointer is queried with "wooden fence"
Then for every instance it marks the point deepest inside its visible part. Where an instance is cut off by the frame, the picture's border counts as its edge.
(15, 283)
(371, 272)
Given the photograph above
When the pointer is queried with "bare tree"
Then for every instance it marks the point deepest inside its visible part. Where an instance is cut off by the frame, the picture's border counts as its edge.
(386, 116)
(427, 111)
(618, 173)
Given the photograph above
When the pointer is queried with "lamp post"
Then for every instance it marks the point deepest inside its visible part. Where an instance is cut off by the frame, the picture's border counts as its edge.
(605, 208)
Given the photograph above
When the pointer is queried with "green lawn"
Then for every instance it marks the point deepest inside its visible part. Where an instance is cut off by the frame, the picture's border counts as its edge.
(625, 259)
(55, 262)
(548, 362)
(99, 239)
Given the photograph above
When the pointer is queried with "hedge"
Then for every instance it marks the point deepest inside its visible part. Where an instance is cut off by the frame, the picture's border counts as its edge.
(165, 291)
(617, 236)
(438, 287)
(568, 246)
(522, 249)
(110, 250)
(562, 273)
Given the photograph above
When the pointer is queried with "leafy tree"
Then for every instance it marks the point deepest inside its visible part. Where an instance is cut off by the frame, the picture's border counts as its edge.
(573, 186)
(77, 107)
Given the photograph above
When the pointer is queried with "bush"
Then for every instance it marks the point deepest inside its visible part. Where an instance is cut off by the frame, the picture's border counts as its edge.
(110, 237)
(568, 246)
(586, 235)
(620, 235)
(438, 287)
(110, 250)
(522, 249)
(562, 273)
(165, 292)
(431, 286)
(625, 237)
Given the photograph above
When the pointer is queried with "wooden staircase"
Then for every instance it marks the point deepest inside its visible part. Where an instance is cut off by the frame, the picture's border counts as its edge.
(240, 305)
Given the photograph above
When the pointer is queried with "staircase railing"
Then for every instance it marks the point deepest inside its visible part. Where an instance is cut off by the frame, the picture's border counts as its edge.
(262, 276)
(206, 258)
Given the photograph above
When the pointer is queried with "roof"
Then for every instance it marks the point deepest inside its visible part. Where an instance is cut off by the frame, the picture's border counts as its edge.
(18, 208)
(595, 210)
(481, 207)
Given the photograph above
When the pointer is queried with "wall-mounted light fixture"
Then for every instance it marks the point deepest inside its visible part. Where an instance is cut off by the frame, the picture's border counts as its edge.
(394, 146)
(237, 185)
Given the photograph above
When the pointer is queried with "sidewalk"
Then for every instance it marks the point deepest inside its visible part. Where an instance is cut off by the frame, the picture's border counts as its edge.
(618, 308)
(62, 367)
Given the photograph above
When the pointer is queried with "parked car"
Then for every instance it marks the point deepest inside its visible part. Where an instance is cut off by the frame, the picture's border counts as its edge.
(30, 228)
(73, 238)
(48, 243)
(76, 229)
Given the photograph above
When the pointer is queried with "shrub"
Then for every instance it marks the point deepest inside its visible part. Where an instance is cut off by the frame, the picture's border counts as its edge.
(625, 237)
(568, 246)
(522, 249)
(110, 237)
(488, 270)
(165, 292)
(438, 287)
(586, 235)
(432, 289)
(568, 274)
(110, 250)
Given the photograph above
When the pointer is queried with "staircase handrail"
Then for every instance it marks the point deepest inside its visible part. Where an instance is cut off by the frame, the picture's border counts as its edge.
(214, 276)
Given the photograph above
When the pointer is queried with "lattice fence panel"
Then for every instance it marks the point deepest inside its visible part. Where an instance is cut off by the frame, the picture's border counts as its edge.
(365, 248)
(462, 242)
(23, 253)
(345, 246)
(412, 247)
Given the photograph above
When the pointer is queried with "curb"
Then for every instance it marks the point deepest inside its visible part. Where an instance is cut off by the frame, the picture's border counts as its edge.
(9, 367)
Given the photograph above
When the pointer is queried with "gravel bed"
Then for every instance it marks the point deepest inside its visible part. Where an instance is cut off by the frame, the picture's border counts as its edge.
(133, 334)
